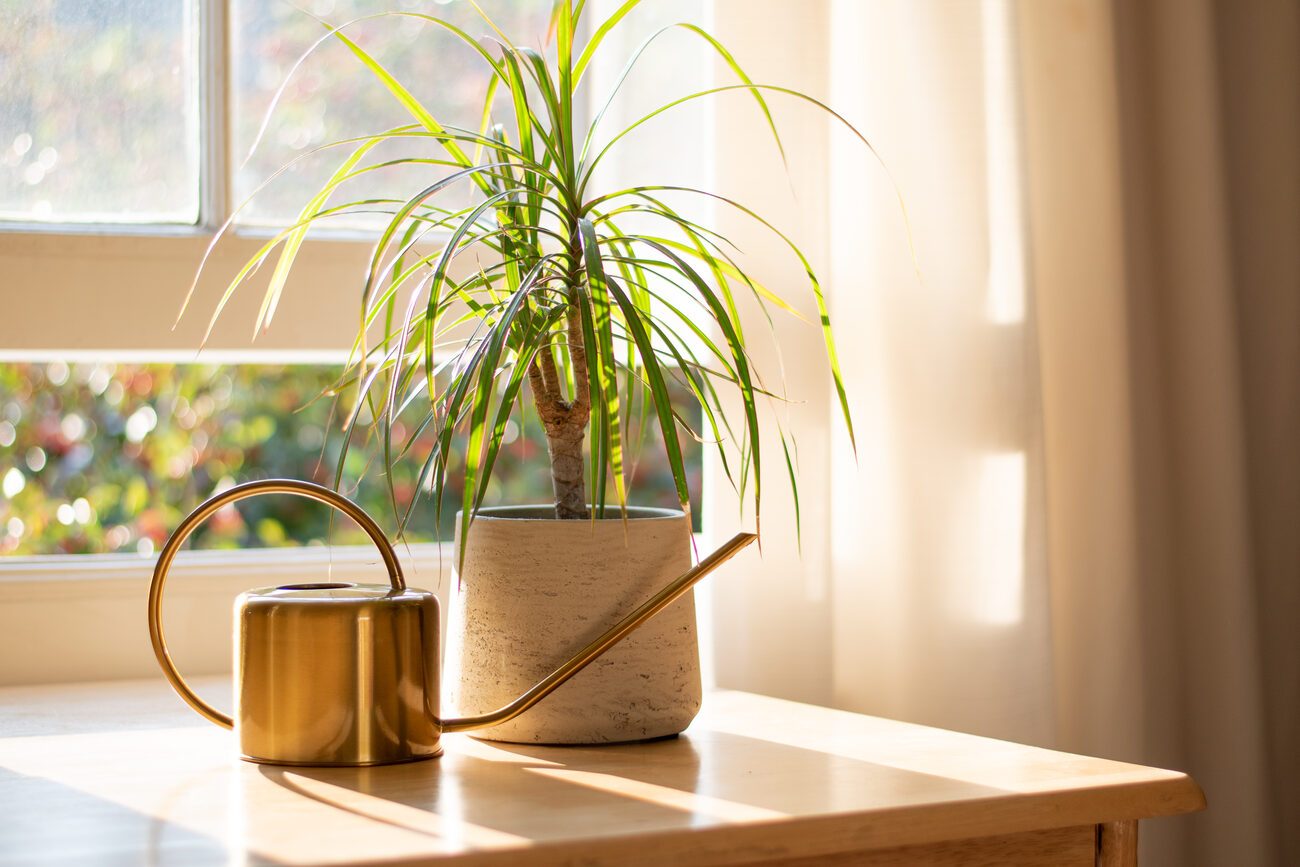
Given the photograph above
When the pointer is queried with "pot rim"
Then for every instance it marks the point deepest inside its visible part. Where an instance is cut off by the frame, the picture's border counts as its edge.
(547, 513)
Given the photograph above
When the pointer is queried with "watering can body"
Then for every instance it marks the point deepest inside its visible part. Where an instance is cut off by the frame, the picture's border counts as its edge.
(348, 674)
(337, 674)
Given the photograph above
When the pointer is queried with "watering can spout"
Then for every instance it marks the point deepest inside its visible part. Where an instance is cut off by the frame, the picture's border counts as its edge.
(612, 636)
(348, 674)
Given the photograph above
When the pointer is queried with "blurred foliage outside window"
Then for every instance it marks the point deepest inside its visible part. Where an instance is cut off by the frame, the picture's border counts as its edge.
(104, 458)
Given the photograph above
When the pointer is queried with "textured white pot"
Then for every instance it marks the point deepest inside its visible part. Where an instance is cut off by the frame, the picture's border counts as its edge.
(535, 590)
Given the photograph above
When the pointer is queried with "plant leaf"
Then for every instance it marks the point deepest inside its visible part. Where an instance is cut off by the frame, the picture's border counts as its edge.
(605, 401)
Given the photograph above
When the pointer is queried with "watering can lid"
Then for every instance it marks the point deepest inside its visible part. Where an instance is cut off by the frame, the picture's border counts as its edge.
(339, 590)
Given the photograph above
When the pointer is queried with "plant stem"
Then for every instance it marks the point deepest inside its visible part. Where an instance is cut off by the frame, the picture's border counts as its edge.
(565, 428)
(564, 444)
(565, 421)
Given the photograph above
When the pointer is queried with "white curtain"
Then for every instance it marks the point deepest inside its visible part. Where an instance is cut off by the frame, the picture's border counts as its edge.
(938, 540)
(1072, 511)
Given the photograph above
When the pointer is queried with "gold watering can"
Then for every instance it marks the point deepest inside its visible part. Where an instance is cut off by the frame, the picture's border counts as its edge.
(348, 674)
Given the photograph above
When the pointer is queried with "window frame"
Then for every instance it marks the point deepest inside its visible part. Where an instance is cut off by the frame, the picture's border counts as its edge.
(80, 617)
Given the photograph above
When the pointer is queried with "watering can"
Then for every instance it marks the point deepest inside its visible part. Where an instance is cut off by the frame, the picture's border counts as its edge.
(341, 674)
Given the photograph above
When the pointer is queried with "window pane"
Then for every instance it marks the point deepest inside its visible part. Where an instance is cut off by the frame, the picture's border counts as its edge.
(99, 113)
(103, 458)
(332, 96)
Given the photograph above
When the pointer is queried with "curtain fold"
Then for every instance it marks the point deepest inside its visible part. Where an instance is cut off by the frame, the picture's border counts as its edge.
(1158, 658)
(1258, 51)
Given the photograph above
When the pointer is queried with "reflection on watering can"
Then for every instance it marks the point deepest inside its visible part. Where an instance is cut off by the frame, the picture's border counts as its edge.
(348, 674)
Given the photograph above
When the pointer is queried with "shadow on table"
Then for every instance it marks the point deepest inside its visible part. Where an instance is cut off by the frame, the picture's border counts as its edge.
(56, 824)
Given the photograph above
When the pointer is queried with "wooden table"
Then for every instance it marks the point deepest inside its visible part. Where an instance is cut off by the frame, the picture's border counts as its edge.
(123, 773)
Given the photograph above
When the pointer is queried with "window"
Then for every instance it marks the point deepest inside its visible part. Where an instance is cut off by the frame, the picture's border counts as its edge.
(325, 100)
(93, 275)
(126, 149)
(150, 78)
(62, 171)
(117, 163)
(124, 157)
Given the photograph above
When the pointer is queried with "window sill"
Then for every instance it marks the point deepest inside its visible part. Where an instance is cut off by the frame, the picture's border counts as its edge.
(82, 618)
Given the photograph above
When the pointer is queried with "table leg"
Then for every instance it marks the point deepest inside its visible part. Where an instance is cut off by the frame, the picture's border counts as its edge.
(1117, 844)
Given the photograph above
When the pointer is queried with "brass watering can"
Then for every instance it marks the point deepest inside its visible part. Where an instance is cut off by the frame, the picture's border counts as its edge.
(348, 674)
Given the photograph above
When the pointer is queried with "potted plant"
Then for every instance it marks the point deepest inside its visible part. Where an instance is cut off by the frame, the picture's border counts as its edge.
(595, 327)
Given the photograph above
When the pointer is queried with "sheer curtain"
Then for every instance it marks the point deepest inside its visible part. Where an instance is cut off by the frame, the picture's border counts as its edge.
(1071, 517)
(938, 550)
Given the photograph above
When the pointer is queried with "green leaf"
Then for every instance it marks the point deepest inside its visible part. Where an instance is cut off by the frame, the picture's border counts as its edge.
(409, 102)
(734, 340)
(395, 224)
(599, 36)
(659, 389)
(439, 275)
(828, 337)
(490, 355)
(608, 444)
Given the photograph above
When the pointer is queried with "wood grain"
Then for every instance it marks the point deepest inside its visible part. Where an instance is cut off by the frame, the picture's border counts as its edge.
(1117, 844)
(126, 773)
(1058, 847)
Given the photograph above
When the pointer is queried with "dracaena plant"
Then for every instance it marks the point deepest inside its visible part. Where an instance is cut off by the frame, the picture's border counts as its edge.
(597, 326)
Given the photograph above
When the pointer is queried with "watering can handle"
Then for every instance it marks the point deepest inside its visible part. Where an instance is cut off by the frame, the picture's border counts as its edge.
(202, 513)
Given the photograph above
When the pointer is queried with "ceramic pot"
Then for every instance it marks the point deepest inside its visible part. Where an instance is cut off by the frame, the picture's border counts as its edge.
(535, 589)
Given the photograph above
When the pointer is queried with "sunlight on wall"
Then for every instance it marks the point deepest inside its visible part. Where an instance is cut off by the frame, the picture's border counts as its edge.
(1006, 279)
(994, 584)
